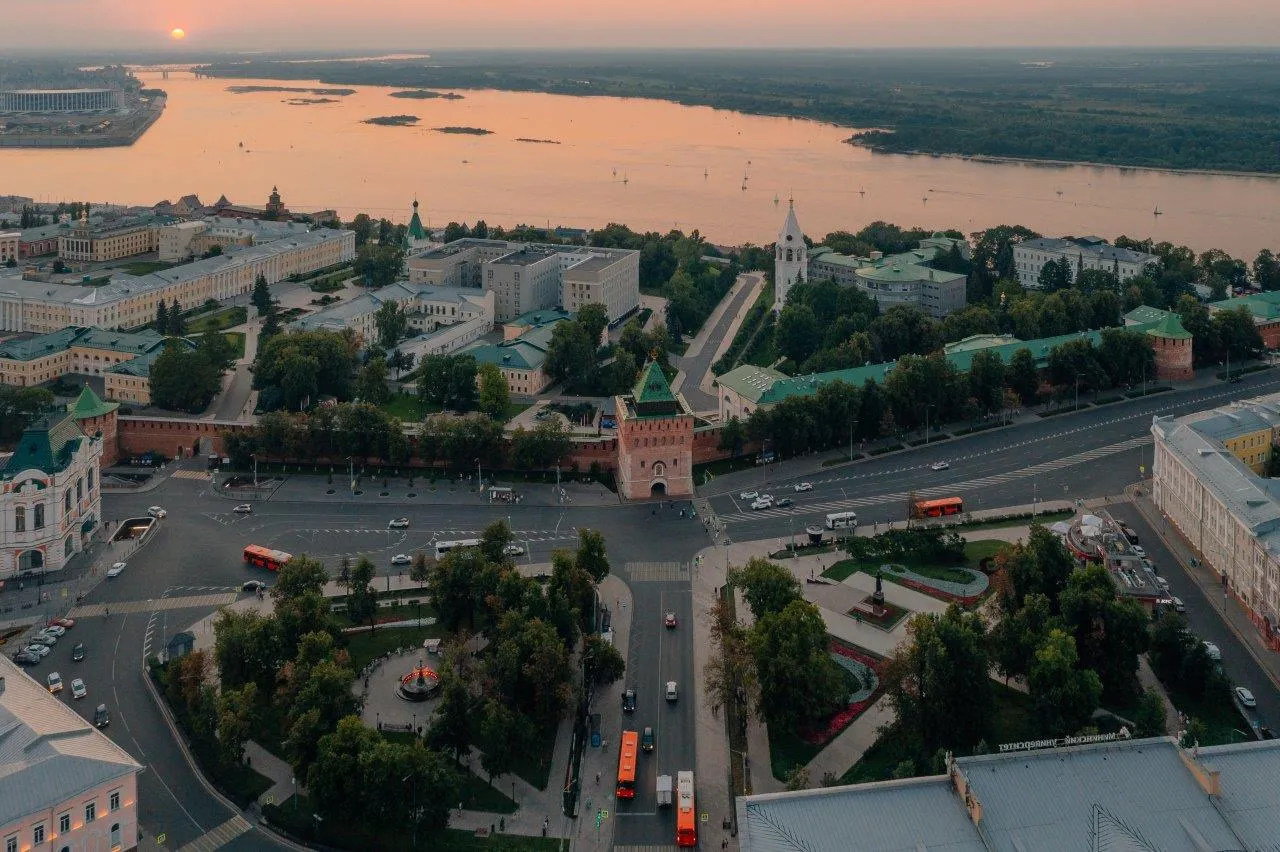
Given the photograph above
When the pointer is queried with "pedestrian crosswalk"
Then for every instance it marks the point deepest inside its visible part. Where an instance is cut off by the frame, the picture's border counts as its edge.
(192, 474)
(943, 490)
(220, 836)
(188, 602)
(656, 572)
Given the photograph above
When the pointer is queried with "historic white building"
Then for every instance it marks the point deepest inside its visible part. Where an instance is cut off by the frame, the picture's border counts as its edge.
(1030, 256)
(50, 496)
(791, 258)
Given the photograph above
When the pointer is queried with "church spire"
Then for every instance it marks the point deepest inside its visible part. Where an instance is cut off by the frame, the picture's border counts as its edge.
(791, 257)
(416, 232)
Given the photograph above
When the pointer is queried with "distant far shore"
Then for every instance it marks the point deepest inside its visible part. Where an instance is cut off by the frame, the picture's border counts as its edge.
(122, 134)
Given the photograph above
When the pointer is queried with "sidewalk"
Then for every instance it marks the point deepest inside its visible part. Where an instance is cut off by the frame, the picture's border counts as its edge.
(1234, 616)
(283, 783)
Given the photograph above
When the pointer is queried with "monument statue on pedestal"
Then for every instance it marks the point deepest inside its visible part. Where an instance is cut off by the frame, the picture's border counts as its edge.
(877, 598)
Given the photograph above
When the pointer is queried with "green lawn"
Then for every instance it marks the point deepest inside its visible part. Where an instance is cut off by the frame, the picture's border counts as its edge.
(787, 750)
(241, 783)
(218, 320)
(976, 551)
(236, 339)
(296, 815)
(1219, 714)
(145, 267)
(1010, 722)
(364, 647)
(845, 567)
(1044, 518)
(535, 767)
(408, 407)
(478, 795)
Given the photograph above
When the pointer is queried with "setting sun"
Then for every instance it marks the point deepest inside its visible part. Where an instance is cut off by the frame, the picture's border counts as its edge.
(177, 33)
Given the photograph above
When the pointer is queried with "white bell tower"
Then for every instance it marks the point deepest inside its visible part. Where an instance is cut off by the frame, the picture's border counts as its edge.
(791, 260)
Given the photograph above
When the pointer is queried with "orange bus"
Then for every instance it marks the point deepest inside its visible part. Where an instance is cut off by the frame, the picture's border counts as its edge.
(686, 813)
(937, 508)
(627, 764)
(264, 557)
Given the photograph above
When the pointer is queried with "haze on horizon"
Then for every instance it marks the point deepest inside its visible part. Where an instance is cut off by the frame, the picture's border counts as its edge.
(110, 25)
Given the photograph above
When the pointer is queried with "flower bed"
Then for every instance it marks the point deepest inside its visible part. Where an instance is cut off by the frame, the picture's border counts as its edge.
(862, 700)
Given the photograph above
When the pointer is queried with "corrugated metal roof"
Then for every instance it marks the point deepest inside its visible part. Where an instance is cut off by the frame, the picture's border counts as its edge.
(48, 754)
(899, 816)
(1250, 789)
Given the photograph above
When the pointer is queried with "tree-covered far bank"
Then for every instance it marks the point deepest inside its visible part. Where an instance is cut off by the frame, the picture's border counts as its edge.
(1130, 107)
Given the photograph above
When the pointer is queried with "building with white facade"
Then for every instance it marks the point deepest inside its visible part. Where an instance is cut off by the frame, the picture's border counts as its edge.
(63, 784)
(182, 241)
(535, 276)
(129, 301)
(899, 279)
(9, 241)
(443, 319)
(110, 239)
(522, 354)
(1030, 256)
(790, 259)
(50, 497)
(1205, 480)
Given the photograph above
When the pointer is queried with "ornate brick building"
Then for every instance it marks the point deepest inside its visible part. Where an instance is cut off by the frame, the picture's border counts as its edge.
(655, 440)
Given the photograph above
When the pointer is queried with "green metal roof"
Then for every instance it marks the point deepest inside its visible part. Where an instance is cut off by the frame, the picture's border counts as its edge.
(905, 267)
(1170, 328)
(547, 316)
(89, 405)
(1144, 314)
(1264, 306)
(652, 386)
(46, 445)
(979, 341)
(54, 342)
(416, 231)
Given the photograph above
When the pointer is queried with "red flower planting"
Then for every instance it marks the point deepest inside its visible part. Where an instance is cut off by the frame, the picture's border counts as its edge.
(842, 719)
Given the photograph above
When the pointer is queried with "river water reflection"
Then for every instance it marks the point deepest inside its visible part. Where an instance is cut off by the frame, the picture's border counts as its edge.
(649, 164)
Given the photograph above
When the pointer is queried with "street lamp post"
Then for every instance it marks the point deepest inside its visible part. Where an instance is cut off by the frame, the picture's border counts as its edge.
(1076, 406)
(479, 478)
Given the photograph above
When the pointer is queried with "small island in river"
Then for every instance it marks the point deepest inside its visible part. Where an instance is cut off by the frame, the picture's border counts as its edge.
(393, 120)
(538, 141)
(309, 101)
(244, 90)
(426, 95)
(472, 131)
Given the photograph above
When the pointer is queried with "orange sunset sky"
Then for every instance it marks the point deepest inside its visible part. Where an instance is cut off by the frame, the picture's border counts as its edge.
(331, 24)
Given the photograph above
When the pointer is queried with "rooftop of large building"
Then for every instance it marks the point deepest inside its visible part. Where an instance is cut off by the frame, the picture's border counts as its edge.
(523, 257)
(1144, 795)
(1091, 246)
(1198, 441)
(526, 352)
(123, 285)
(339, 314)
(42, 345)
(1263, 306)
(48, 753)
(546, 316)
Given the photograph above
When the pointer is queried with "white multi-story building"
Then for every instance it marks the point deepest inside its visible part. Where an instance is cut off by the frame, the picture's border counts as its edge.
(184, 240)
(1030, 256)
(50, 497)
(129, 301)
(790, 260)
(63, 784)
(535, 276)
(899, 279)
(1204, 481)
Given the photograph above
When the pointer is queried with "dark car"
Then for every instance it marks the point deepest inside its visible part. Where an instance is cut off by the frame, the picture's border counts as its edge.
(101, 716)
(782, 503)
(646, 740)
(629, 701)
(77, 652)
(23, 658)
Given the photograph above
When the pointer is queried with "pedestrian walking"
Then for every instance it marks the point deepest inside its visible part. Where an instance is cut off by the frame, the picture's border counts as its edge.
(597, 779)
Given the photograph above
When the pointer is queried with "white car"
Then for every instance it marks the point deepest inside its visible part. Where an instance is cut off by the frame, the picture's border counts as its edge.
(939, 466)
(804, 486)
(748, 495)
(156, 512)
(1162, 583)
(244, 509)
(1213, 651)
(400, 559)
(1178, 605)
(762, 502)
(1246, 697)
(117, 569)
(55, 682)
(56, 629)
(398, 524)
(671, 690)
(513, 550)
(44, 639)
(1137, 548)
(78, 689)
(39, 650)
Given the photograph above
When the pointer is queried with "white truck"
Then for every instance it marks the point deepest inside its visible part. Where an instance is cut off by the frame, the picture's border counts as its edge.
(664, 790)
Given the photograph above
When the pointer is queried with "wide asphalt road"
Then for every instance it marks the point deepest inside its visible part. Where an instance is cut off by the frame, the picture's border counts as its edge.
(1090, 453)
(196, 556)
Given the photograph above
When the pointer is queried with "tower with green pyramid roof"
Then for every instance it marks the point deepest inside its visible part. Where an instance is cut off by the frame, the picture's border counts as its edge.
(655, 439)
(97, 419)
(415, 235)
(1172, 344)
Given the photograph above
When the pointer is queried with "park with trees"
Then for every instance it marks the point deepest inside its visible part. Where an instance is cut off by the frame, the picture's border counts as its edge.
(517, 654)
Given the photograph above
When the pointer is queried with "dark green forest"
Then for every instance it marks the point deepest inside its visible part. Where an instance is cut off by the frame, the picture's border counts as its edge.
(1189, 109)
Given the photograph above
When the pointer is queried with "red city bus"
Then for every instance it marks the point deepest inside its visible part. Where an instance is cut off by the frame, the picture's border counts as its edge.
(937, 508)
(264, 557)
(627, 764)
(686, 814)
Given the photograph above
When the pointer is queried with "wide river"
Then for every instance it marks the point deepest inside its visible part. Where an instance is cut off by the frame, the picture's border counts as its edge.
(648, 164)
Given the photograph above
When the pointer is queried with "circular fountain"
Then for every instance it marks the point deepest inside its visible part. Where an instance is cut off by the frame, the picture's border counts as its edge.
(419, 684)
